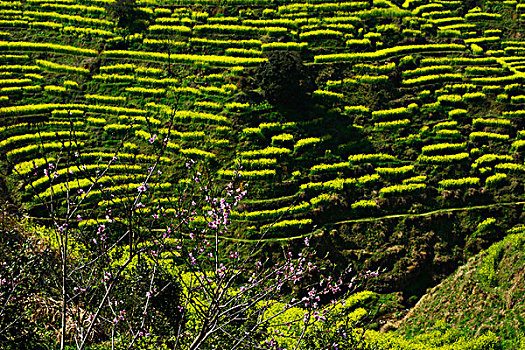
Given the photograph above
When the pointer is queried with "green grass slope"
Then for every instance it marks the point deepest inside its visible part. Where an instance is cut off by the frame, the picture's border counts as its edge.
(486, 294)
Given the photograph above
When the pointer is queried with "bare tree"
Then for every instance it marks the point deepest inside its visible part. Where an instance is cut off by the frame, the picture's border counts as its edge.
(123, 259)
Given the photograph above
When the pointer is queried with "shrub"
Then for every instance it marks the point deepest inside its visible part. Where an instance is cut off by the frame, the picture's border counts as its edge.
(371, 158)
(445, 159)
(303, 143)
(441, 148)
(364, 204)
(494, 254)
(481, 135)
(491, 159)
(395, 172)
(128, 14)
(284, 79)
(458, 183)
(391, 191)
(495, 180)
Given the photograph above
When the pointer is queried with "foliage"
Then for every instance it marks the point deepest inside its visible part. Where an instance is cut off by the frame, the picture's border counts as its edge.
(441, 338)
(159, 272)
(459, 183)
(283, 78)
(384, 53)
(493, 272)
(127, 14)
(27, 269)
(409, 99)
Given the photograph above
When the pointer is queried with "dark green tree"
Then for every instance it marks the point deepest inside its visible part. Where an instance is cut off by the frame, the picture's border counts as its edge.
(128, 15)
(284, 79)
(467, 5)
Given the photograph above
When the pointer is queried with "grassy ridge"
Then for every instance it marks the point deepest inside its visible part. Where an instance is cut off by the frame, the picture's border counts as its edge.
(484, 295)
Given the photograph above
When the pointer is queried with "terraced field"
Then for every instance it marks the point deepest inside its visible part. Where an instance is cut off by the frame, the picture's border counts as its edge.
(418, 107)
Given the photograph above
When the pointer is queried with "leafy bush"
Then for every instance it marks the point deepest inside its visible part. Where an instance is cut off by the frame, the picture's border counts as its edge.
(459, 183)
(128, 14)
(391, 191)
(26, 267)
(284, 79)
(493, 255)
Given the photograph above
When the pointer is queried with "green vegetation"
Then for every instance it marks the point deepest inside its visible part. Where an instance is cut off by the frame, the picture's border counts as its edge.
(390, 132)
(492, 280)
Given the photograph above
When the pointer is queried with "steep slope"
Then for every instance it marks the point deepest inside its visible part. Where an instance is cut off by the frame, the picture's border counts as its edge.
(486, 294)
(417, 108)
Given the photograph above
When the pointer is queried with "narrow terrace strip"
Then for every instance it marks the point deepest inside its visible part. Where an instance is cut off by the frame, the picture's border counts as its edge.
(430, 213)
